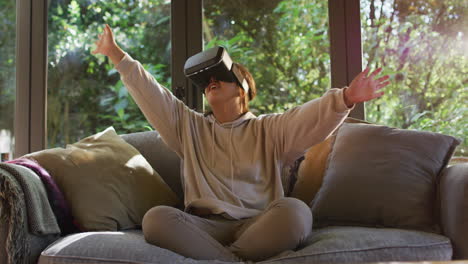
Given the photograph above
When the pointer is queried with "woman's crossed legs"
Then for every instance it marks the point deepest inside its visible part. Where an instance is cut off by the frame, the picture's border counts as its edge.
(283, 225)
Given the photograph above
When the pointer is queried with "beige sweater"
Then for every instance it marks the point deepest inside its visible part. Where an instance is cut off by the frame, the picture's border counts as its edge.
(232, 168)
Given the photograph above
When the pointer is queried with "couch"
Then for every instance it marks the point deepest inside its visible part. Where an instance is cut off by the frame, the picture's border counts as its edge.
(347, 235)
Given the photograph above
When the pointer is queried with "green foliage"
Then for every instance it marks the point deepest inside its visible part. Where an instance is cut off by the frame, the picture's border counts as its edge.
(422, 46)
(7, 62)
(283, 43)
(85, 94)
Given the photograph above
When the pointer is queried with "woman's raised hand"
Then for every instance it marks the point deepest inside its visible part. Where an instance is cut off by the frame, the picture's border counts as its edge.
(365, 87)
(107, 46)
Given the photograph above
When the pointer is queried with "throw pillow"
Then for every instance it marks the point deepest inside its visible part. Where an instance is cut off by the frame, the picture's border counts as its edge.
(312, 168)
(311, 171)
(382, 176)
(107, 183)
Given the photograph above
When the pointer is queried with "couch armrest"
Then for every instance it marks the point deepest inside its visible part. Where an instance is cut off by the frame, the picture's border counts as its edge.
(453, 207)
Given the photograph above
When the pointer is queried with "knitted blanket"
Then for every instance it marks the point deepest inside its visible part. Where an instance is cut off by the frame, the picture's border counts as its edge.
(12, 212)
(41, 219)
(56, 198)
(23, 197)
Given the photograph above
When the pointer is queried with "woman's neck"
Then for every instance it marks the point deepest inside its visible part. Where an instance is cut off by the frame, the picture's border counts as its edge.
(227, 112)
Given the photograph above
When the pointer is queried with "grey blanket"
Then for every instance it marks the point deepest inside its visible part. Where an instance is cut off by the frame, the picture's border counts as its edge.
(12, 213)
(21, 188)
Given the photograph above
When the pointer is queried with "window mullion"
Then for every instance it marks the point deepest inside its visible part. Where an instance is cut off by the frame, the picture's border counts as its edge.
(23, 77)
(186, 39)
(38, 75)
(345, 45)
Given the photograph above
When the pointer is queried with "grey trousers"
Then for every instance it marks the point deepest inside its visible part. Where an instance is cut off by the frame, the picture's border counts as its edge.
(283, 225)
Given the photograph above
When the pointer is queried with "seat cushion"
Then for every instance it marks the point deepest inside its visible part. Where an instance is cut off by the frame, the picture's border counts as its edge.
(110, 247)
(327, 245)
(362, 244)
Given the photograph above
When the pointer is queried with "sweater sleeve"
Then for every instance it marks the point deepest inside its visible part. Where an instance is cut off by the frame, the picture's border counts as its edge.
(160, 107)
(299, 128)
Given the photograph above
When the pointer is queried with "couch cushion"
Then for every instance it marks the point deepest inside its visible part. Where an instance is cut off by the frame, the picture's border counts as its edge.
(160, 156)
(110, 247)
(312, 168)
(107, 183)
(379, 176)
(327, 245)
(361, 244)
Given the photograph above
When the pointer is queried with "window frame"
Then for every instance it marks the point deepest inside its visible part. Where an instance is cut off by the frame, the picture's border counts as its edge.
(31, 76)
(186, 27)
(346, 46)
(186, 40)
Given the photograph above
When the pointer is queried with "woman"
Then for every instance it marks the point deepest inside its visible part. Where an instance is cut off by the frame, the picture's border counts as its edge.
(234, 202)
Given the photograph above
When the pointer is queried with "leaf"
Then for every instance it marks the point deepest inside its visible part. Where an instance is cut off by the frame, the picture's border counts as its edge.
(120, 105)
(121, 113)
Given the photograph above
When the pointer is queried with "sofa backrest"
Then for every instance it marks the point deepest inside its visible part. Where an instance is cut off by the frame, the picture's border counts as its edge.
(160, 156)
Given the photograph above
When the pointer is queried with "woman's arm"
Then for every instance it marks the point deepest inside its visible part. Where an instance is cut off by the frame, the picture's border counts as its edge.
(300, 128)
(161, 108)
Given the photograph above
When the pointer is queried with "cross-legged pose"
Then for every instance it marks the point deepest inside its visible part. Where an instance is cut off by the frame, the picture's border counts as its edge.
(235, 208)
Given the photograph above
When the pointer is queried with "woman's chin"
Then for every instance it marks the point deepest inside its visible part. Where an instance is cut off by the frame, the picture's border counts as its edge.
(210, 98)
(215, 100)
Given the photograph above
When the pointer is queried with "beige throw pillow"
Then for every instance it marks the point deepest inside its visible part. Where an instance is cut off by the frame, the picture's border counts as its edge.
(107, 183)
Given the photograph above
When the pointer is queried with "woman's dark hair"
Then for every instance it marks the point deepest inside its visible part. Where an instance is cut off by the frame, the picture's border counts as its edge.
(250, 80)
(252, 88)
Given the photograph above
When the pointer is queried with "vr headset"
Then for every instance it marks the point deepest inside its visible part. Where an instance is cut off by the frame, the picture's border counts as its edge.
(214, 62)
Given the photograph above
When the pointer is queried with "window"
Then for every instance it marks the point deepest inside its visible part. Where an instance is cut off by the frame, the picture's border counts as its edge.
(422, 45)
(7, 76)
(284, 44)
(85, 94)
